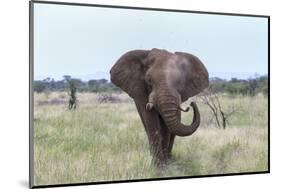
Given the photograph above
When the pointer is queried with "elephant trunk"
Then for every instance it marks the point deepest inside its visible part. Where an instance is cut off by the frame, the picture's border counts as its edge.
(169, 108)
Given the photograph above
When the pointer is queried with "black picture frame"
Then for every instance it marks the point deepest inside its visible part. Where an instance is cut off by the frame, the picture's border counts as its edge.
(31, 98)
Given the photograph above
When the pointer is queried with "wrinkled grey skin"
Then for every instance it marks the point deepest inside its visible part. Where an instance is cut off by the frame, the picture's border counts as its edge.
(159, 81)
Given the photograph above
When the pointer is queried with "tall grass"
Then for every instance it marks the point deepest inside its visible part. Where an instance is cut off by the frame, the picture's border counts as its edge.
(105, 142)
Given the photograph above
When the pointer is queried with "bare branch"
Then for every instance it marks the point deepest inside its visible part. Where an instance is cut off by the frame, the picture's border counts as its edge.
(212, 100)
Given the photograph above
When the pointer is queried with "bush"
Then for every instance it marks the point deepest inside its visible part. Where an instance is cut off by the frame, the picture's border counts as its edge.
(104, 98)
(72, 102)
(237, 88)
(39, 86)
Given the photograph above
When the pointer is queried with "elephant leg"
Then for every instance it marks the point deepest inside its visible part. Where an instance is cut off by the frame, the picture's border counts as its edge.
(171, 143)
(168, 140)
(152, 127)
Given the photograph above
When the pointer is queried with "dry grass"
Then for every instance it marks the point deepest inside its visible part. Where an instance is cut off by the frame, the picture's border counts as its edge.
(104, 142)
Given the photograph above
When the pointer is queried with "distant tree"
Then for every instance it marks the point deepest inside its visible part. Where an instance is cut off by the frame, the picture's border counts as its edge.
(217, 84)
(263, 85)
(46, 80)
(264, 90)
(235, 88)
(66, 78)
(252, 87)
(72, 102)
(93, 85)
(52, 84)
(100, 85)
(79, 84)
(102, 81)
(39, 86)
(60, 85)
(234, 80)
(263, 79)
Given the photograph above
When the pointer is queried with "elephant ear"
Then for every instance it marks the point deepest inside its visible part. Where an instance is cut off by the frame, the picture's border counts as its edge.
(128, 73)
(197, 77)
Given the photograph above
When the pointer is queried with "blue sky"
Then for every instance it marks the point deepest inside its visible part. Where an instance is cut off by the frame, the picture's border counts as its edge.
(85, 42)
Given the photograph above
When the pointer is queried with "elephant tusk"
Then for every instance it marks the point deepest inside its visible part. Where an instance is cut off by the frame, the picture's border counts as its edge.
(184, 110)
(149, 106)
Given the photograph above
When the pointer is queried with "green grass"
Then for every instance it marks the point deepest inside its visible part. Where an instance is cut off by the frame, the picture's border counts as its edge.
(105, 142)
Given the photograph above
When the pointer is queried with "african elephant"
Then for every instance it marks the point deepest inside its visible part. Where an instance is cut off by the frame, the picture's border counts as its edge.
(159, 81)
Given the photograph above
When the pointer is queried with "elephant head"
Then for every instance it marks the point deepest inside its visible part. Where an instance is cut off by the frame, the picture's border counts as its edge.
(163, 80)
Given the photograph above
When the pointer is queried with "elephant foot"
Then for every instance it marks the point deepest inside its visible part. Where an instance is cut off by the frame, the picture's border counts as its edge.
(160, 164)
(171, 159)
(164, 162)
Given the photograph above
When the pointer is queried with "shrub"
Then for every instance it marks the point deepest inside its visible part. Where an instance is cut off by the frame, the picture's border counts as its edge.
(72, 102)
(39, 86)
(104, 98)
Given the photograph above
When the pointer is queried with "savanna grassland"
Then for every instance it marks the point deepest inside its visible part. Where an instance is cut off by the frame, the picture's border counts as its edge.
(106, 141)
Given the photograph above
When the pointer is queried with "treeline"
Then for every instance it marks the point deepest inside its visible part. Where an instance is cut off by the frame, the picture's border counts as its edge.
(251, 86)
(49, 84)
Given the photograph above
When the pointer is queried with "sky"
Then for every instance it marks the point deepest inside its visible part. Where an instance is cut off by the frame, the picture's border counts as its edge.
(85, 42)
